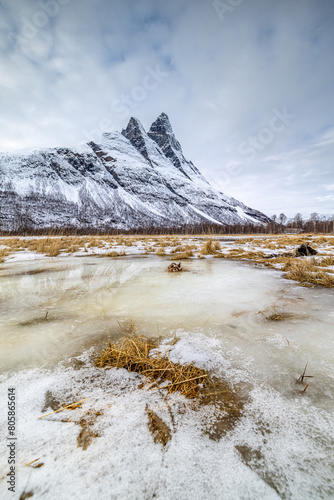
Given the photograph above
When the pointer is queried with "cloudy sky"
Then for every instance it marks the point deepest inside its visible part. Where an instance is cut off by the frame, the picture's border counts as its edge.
(248, 86)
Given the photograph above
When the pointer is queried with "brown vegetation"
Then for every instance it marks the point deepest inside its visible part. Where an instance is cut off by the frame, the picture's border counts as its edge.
(182, 256)
(210, 247)
(161, 252)
(159, 429)
(306, 273)
(141, 354)
(134, 354)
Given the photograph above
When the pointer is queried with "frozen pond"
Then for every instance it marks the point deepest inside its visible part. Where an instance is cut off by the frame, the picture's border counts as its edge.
(51, 309)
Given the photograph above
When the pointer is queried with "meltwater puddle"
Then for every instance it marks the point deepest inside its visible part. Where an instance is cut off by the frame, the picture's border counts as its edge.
(55, 308)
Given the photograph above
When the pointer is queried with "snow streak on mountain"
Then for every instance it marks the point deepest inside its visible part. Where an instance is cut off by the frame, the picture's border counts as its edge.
(125, 180)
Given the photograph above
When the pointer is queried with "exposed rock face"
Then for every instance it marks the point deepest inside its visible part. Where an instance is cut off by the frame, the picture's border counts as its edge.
(128, 180)
(136, 135)
(162, 133)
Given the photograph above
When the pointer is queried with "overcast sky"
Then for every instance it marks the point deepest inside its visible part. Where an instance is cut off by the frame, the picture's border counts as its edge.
(248, 86)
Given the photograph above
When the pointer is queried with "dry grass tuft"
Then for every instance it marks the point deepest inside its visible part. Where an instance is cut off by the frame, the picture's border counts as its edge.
(115, 254)
(178, 248)
(140, 354)
(135, 354)
(275, 315)
(4, 252)
(239, 253)
(182, 256)
(111, 254)
(326, 261)
(161, 252)
(210, 247)
(324, 239)
(306, 273)
(284, 241)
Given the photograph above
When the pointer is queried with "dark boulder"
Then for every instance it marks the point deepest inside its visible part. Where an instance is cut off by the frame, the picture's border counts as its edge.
(305, 250)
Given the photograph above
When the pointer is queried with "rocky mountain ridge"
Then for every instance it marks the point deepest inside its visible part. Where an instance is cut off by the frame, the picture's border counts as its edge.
(125, 180)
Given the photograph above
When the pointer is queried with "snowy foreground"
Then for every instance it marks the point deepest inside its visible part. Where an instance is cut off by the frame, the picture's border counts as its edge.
(280, 447)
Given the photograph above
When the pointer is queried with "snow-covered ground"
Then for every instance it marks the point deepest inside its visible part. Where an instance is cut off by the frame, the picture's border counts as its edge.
(55, 308)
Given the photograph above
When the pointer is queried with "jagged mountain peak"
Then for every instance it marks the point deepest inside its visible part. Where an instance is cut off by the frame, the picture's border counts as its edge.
(162, 133)
(126, 180)
(159, 145)
(163, 121)
(136, 134)
(133, 125)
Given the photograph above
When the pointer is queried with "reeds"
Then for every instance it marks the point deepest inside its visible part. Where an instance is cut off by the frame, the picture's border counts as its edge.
(326, 261)
(307, 273)
(210, 247)
(239, 253)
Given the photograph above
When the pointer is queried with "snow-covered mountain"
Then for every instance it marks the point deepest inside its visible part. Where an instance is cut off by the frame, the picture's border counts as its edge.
(126, 180)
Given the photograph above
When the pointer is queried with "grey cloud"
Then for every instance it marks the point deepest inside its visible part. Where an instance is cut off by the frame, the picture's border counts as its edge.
(225, 78)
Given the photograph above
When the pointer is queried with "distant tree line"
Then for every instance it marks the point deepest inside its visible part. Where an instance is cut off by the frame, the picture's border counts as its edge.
(314, 224)
(20, 215)
(274, 227)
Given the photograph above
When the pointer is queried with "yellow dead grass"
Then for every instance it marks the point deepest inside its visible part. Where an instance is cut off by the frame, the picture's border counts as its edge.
(182, 256)
(210, 247)
(239, 253)
(135, 354)
(141, 354)
(306, 273)
(326, 261)
(115, 254)
(161, 252)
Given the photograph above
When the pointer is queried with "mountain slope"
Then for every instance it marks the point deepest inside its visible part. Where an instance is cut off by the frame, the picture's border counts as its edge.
(127, 180)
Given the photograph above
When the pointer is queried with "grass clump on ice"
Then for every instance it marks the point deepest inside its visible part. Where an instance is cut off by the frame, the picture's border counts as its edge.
(306, 273)
(115, 254)
(326, 261)
(161, 252)
(142, 355)
(210, 247)
(182, 256)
